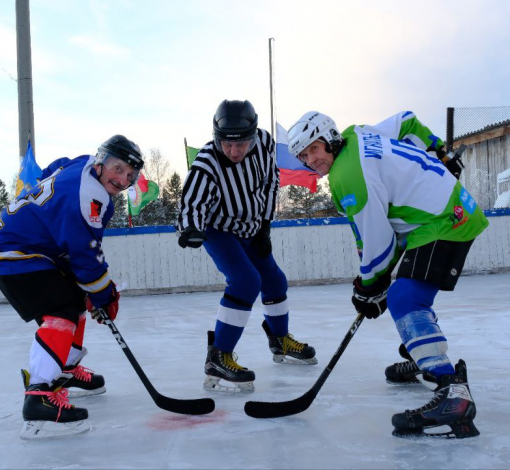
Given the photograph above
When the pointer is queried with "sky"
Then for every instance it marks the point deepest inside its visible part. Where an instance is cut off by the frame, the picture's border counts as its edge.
(156, 70)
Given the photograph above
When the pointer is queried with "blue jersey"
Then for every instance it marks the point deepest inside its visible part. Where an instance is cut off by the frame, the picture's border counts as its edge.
(59, 224)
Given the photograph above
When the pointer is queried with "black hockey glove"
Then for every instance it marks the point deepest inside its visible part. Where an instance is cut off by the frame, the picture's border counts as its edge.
(191, 237)
(371, 301)
(262, 240)
(452, 160)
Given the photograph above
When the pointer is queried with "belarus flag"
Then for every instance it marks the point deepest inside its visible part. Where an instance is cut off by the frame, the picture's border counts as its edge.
(292, 171)
(140, 194)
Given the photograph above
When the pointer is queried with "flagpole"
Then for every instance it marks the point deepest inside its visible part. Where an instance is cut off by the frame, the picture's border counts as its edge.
(130, 218)
(186, 152)
(271, 89)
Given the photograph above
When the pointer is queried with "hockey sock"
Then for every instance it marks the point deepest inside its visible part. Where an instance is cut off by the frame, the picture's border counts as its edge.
(50, 349)
(233, 315)
(276, 314)
(226, 336)
(410, 303)
(76, 353)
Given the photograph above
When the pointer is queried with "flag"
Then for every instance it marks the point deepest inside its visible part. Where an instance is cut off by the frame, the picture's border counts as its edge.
(29, 173)
(191, 154)
(292, 171)
(140, 194)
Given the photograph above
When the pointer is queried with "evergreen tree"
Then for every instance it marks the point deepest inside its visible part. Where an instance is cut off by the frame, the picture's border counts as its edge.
(299, 202)
(4, 196)
(152, 214)
(329, 208)
(120, 217)
(171, 198)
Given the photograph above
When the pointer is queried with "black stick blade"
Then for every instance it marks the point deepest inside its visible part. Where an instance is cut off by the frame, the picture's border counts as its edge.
(263, 409)
(200, 406)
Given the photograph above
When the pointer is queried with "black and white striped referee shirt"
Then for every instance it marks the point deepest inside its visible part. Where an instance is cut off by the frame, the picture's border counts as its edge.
(231, 197)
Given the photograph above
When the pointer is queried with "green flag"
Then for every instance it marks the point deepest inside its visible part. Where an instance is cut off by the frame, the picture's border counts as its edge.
(140, 194)
(191, 154)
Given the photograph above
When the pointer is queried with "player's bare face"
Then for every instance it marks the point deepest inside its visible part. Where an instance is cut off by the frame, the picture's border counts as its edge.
(116, 175)
(236, 151)
(316, 157)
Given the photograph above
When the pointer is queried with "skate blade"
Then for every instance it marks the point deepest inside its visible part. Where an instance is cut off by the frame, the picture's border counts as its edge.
(409, 382)
(50, 429)
(215, 384)
(452, 431)
(80, 392)
(280, 359)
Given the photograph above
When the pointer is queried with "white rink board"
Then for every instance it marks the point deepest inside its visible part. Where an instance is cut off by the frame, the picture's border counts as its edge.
(307, 254)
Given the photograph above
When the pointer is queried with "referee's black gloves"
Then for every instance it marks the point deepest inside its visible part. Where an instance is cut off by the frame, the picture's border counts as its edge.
(191, 237)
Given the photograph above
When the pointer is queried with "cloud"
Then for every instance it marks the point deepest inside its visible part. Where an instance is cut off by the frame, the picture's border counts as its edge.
(157, 71)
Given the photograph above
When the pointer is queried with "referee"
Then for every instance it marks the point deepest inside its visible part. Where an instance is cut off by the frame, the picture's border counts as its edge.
(227, 204)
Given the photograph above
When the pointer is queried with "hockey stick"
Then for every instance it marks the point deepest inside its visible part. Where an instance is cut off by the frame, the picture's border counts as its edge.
(260, 409)
(200, 406)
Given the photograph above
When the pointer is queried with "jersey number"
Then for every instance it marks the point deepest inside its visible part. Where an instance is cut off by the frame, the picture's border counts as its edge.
(410, 152)
(45, 193)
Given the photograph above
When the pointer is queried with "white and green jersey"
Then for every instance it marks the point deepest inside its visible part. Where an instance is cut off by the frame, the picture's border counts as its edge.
(396, 195)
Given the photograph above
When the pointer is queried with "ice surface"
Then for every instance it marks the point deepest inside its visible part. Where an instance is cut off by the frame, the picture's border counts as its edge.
(348, 426)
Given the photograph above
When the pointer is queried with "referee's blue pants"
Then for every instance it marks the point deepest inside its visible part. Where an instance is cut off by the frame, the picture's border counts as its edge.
(247, 275)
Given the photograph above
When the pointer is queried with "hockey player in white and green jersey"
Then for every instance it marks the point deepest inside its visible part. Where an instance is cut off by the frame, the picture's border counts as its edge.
(394, 182)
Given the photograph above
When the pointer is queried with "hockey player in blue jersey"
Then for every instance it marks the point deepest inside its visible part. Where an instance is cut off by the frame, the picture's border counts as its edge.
(52, 269)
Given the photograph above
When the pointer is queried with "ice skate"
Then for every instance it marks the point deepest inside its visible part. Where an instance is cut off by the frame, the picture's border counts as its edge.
(223, 373)
(81, 381)
(402, 372)
(451, 406)
(287, 350)
(48, 413)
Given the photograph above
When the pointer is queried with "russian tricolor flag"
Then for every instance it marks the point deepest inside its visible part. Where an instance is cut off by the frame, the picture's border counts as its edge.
(292, 171)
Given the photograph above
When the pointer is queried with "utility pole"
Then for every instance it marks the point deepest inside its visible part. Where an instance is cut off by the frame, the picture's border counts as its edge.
(25, 96)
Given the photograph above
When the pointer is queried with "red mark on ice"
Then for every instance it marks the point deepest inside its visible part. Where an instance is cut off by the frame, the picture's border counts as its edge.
(171, 422)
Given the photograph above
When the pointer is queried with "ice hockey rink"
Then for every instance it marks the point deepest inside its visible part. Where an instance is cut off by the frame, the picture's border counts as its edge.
(348, 425)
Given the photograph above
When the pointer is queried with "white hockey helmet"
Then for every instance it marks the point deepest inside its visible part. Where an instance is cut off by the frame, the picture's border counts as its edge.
(311, 127)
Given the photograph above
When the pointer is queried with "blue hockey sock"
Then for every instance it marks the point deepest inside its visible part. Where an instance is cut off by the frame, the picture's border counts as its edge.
(279, 325)
(410, 303)
(226, 336)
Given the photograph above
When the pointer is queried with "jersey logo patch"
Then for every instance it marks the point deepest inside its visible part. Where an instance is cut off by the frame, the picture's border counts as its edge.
(467, 201)
(95, 211)
(349, 200)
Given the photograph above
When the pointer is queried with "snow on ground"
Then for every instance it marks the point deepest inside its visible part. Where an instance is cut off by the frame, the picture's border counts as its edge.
(348, 425)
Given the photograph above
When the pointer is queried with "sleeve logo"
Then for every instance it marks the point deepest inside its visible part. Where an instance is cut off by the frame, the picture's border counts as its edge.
(95, 211)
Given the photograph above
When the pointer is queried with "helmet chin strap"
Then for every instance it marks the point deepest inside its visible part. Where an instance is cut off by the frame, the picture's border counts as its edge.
(336, 148)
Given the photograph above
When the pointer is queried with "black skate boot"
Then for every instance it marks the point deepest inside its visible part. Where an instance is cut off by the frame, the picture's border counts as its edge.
(81, 381)
(287, 350)
(48, 413)
(222, 366)
(402, 372)
(452, 406)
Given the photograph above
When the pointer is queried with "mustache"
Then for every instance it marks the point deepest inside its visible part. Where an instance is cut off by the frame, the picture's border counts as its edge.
(118, 186)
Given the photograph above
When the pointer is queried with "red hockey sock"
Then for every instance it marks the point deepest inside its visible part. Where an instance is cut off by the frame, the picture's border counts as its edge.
(50, 349)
